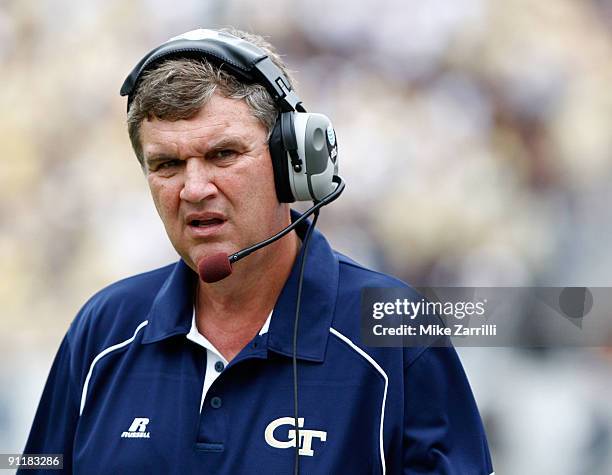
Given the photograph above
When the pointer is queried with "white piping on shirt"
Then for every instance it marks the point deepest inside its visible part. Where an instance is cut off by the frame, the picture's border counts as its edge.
(102, 354)
(370, 360)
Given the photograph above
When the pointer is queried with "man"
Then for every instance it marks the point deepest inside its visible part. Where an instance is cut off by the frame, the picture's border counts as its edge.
(170, 372)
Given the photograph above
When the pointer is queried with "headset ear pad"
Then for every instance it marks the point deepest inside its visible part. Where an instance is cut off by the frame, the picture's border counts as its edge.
(278, 153)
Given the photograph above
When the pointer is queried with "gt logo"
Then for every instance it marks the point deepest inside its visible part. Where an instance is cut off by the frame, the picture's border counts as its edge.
(306, 435)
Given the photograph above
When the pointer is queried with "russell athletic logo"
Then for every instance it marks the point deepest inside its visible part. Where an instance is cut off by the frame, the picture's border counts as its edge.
(287, 436)
(138, 429)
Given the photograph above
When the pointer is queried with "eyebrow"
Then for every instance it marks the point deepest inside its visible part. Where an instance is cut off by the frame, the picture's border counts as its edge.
(223, 143)
(226, 142)
(158, 157)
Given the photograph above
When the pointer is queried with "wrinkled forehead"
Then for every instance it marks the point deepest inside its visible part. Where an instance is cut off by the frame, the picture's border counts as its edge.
(220, 120)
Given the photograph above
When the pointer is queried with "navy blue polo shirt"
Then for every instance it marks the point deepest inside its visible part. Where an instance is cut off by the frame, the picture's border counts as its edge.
(128, 391)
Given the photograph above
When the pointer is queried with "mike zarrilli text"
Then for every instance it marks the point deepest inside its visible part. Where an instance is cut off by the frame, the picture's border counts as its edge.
(435, 330)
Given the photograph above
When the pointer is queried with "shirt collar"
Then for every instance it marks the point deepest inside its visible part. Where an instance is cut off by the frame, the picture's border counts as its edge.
(319, 291)
(197, 337)
(172, 309)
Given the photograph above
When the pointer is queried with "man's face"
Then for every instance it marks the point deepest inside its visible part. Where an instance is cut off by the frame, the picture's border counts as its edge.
(211, 179)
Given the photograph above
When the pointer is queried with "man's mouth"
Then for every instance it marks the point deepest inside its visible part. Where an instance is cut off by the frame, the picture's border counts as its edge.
(202, 223)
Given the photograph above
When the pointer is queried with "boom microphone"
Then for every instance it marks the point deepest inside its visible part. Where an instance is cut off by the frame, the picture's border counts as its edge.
(218, 266)
(214, 268)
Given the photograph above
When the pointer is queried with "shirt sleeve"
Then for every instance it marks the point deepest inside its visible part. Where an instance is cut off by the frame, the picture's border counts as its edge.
(56, 418)
(443, 431)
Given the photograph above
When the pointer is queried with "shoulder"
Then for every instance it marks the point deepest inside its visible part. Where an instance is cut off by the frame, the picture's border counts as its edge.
(136, 288)
(353, 278)
(113, 313)
(355, 275)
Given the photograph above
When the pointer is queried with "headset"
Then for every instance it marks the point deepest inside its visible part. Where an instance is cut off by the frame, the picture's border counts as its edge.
(302, 145)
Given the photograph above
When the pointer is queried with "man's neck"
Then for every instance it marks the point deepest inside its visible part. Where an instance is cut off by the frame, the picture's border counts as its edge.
(231, 312)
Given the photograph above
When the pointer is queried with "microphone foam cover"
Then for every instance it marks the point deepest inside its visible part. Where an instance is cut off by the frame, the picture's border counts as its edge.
(214, 268)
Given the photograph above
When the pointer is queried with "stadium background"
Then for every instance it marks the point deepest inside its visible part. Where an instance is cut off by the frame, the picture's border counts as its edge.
(475, 137)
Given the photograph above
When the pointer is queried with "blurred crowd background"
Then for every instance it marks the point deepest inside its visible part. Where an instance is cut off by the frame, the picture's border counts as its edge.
(475, 137)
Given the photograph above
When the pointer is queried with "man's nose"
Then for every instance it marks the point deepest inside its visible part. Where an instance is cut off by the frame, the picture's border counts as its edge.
(199, 181)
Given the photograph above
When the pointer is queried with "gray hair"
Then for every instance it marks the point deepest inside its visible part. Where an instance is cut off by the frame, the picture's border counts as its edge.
(177, 89)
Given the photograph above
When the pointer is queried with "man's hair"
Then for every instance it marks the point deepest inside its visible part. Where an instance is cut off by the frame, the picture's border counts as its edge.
(177, 89)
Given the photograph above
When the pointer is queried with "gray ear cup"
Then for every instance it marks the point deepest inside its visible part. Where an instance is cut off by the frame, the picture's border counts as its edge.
(317, 149)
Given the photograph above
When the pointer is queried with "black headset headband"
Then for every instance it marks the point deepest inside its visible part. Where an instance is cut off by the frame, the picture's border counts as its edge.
(243, 59)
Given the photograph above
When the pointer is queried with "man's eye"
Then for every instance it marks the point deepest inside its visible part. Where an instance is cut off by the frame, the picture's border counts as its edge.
(227, 153)
(168, 164)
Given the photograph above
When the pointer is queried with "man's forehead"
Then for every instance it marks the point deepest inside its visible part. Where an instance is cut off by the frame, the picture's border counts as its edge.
(218, 110)
(220, 106)
(203, 142)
